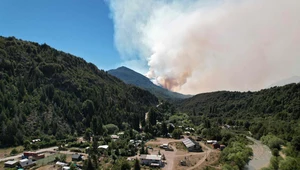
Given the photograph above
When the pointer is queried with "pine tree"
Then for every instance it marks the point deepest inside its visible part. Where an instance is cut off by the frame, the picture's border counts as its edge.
(137, 165)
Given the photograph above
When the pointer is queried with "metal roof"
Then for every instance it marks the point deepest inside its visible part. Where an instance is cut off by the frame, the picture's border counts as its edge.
(151, 157)
(10, 162)
(188, 143)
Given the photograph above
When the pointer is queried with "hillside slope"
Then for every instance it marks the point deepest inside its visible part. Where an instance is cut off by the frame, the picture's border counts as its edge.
(131, 77)
(48, 92)
(275, 110)
(241, 104)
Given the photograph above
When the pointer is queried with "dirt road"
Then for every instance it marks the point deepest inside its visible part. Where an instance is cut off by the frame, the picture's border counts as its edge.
(261, 155)
(38, 151)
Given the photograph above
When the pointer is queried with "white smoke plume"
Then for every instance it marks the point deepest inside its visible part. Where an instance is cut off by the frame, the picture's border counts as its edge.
(197, 46)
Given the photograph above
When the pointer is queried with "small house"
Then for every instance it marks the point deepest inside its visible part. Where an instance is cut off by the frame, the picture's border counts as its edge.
(76, 157)
(26, 163)
(10, 164)
(151, 160)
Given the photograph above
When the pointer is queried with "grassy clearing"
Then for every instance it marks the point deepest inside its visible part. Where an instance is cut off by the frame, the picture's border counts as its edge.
(47, 160)
(179, 146)
(5, 152)
(1, 165)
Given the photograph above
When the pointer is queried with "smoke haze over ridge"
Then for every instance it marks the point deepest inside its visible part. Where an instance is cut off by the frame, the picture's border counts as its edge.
(207, 45)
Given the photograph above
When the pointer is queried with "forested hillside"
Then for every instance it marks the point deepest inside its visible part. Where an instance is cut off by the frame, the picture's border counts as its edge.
(131, 77)
(274, 110)
(44, 91)
(270, 115)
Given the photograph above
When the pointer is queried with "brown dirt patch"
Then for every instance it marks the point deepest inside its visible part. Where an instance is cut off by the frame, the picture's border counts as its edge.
(212, 161)
(6, 151)
(190, 160)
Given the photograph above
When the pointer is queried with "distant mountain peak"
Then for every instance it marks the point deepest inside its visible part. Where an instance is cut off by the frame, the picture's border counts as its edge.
(130, 76)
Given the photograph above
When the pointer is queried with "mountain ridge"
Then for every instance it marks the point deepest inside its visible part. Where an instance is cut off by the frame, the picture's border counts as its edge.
(130, 76)
(46, 92)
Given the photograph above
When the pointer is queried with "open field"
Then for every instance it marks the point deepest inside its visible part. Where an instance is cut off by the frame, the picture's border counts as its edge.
(48, 159)
(5, 152)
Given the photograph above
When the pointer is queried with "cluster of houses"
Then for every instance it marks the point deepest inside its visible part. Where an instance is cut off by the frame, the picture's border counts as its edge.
(23, 163)
(28, 160)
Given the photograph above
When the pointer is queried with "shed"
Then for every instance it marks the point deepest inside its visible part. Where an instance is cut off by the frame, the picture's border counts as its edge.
(10, 164)
(191, 145)
(151, 160)
(76, 157)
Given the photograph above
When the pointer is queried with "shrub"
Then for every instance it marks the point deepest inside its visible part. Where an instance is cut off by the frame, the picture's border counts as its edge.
(14, 151)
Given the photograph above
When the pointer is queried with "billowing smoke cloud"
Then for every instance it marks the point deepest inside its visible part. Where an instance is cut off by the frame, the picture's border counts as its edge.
(207, 45)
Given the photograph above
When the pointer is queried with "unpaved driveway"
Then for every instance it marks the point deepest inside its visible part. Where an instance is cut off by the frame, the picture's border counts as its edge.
(173, 157)
(261, 155)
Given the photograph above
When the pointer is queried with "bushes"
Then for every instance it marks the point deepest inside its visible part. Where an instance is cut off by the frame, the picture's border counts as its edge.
(272, 141)
(111, 128)
(289, 163)
(79, 145)
(177, 133)
(14, 151)
(236, 154)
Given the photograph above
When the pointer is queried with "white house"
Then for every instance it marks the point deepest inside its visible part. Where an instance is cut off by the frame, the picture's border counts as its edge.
(26, 163)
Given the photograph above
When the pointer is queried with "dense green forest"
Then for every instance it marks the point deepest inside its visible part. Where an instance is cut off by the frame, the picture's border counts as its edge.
(275, 110)
(46, 92)
(271, 115)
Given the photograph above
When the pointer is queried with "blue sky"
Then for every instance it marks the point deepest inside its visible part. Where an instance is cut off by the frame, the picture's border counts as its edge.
(83, 28)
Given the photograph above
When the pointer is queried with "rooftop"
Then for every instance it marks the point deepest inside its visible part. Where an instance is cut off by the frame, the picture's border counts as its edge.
(76, 156)
(103, 147)
(188, 142)
(10, 162)
(151, 157)
(24, 160)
